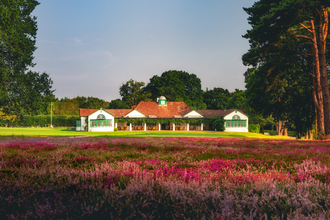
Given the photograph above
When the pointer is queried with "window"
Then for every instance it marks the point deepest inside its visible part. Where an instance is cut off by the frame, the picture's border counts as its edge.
(101, 123)
(236, 117)
(100, 116)
(235, 123)
(78, 124)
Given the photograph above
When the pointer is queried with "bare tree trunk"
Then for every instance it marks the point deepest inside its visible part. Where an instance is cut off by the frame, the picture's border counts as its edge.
(319, 114)
(285, 131)
(309, 135)
(279, 128)
(317, 92)
(323, 33)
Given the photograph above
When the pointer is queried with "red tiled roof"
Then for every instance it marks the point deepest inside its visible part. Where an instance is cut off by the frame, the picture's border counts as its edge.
(85, 112)
(118, 112)
(152, 109)
(168, 111)
(215, 113)
(115, 112)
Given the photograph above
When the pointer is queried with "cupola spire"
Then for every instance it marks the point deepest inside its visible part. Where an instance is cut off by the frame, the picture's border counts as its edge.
(162, 101)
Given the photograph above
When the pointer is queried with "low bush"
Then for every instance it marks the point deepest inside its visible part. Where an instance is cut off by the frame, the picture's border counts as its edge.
(219, 123)
(292, 133)
(254, 128)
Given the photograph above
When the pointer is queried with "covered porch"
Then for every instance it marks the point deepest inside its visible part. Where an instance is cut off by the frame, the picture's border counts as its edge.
(122, 126)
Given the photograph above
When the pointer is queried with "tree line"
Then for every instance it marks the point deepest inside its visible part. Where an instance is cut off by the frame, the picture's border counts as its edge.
(175, 85)
(22, 91)
(288, 60)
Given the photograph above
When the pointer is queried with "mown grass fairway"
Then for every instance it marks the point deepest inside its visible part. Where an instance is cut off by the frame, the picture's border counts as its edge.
(60, 132)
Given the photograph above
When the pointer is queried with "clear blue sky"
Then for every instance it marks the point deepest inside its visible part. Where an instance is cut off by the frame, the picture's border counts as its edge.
(90, 48)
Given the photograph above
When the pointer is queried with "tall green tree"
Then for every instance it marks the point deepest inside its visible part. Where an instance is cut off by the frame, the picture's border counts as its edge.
(67, 106)
(36, 93)
(21, 91)
(287, 46)
(132, 93)
(177, 86)
(117, 104)
(216, 98)
(237, 100)
(95, 103)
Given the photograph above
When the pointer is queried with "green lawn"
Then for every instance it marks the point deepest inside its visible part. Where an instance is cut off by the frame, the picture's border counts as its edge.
(60, 132)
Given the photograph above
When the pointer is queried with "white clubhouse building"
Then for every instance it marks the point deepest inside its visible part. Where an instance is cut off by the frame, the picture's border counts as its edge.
(104, 119)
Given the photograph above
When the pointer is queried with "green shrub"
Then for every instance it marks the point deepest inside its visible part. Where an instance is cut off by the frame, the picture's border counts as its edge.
(254, 128)
(292, 133)
(219, 123)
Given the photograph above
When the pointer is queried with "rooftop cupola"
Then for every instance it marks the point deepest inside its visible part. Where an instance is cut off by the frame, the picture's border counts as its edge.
(162, 101)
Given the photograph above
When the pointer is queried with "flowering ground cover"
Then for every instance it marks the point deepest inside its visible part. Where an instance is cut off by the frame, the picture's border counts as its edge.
(164, 178)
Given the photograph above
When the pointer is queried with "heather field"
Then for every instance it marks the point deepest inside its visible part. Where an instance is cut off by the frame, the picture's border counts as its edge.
(164, 178)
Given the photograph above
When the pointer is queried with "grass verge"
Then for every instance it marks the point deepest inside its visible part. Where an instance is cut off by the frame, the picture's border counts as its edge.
(64, 132)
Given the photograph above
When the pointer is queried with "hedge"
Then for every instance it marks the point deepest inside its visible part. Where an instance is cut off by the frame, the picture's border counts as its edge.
(41, 121)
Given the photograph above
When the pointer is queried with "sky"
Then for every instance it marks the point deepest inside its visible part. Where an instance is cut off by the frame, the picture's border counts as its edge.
(90, 48)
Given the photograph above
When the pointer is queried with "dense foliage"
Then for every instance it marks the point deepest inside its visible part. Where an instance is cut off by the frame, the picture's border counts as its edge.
(66, 106)
(288, 55)
(21, 91)
(254, 128)
(177, 86)
(172, 178)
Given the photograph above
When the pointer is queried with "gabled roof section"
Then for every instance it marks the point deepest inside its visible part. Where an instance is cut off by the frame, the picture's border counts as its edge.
(118, 113)
(135, 114)
(168, 111)
(215, 113)
(193, 114)
(85, 112)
